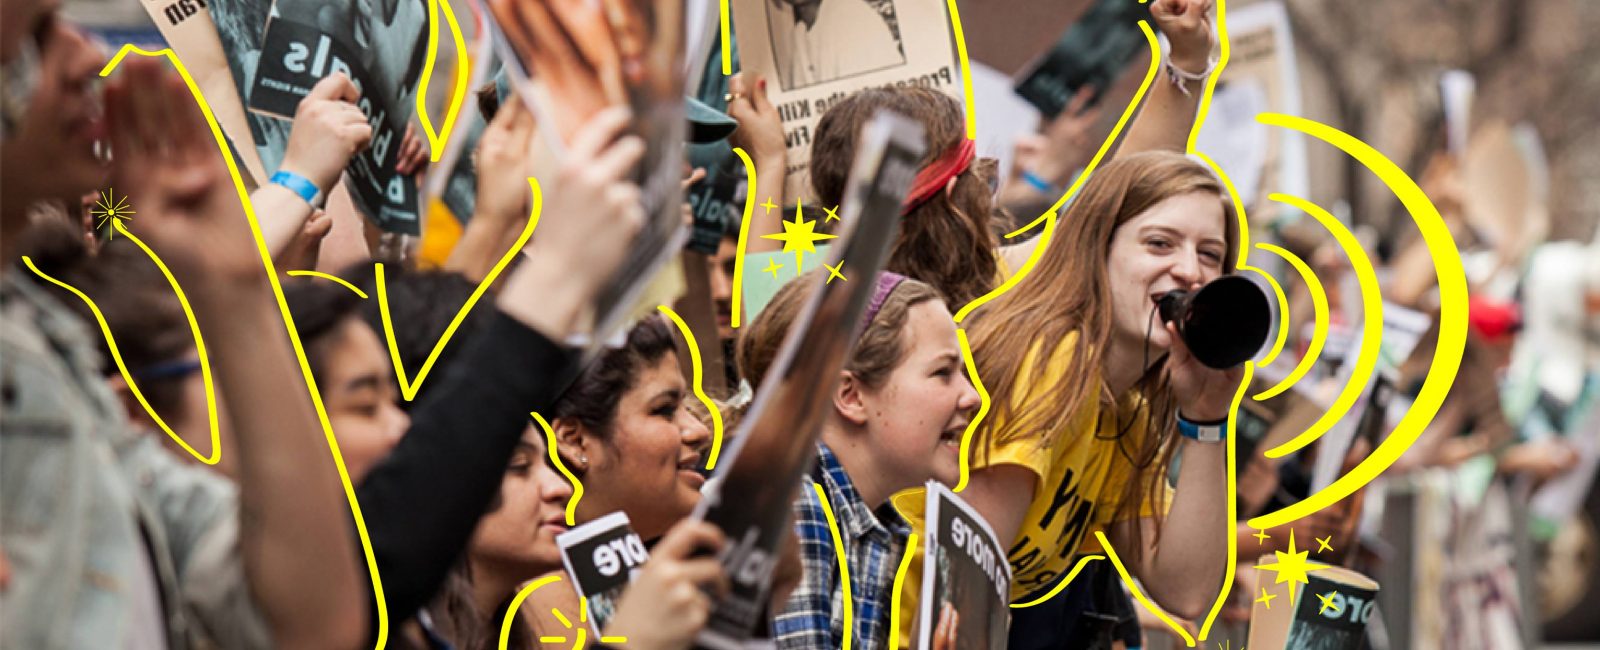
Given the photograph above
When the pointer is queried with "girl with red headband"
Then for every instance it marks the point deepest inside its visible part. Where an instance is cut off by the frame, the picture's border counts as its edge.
(947, 233)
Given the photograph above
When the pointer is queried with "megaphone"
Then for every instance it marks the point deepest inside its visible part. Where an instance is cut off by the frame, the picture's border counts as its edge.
(1224, 323)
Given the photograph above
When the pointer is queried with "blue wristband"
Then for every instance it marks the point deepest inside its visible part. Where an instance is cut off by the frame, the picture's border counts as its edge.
(1203, 431)
(299, 185)
(1041, 185)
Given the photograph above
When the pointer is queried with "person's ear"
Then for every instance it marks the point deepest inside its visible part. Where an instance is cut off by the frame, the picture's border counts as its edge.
(572, 444)
(849, 399)
(130, 404)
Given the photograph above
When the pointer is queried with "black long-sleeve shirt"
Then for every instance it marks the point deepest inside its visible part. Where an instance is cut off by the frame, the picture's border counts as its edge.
(422, 503)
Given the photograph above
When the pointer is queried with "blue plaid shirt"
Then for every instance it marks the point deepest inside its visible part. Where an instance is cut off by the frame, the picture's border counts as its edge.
(874, 540)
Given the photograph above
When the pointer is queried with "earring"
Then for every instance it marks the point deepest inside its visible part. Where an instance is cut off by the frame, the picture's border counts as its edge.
(583, 462)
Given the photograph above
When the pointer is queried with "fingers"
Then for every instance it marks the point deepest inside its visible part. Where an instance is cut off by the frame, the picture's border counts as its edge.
(189, 124)
(758, 97)
(335, 87)
(706, 574)
(149, 105)
(699, 174)
(1176, 348)
(1080, 99)
(601, 129)
(615, 161)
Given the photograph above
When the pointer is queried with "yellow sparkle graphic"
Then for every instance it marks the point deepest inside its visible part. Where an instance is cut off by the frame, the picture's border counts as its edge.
(111, 210)
(769, 205)
(833, 213)
(1266, 598)
(1325, 544)
(773, 267)
(835, 272)
(1261, 537)
(1327, 603)
(1292, 567)
(583, 616)
(799, 236)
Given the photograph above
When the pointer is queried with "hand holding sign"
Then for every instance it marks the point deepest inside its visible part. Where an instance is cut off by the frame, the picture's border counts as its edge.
(328, 131)
(669, 603)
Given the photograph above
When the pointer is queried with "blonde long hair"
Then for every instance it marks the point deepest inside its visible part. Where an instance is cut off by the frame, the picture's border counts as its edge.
(1069, 292)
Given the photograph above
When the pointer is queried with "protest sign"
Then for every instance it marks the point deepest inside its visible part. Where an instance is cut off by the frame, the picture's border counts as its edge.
(190, 32)
(381, 51)
(1260, 77)
(602, 556)
(966, 587)
(775, 443)
(1328, 613)
(1092, 53)
(569, 61)
(816, 54)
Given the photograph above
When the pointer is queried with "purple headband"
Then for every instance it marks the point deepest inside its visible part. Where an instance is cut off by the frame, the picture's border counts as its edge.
(887, 281)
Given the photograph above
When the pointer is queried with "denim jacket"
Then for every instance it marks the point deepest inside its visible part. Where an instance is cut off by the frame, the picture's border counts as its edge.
(82, 493)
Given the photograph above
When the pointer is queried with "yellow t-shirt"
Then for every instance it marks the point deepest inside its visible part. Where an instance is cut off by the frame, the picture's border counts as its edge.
(1081, 476)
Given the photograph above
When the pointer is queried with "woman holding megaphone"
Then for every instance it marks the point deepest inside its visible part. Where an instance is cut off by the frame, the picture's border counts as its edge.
(1093, 394)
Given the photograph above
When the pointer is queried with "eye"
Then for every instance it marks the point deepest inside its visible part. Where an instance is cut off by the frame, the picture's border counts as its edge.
(520, 464)
(667, 410)
(1213, 257)
(1159, 243)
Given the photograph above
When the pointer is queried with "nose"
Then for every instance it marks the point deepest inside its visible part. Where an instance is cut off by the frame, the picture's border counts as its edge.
(1187, 269)
(969, 395)
(694, 432)
(398, 423)
(721, 284)
(553, 487)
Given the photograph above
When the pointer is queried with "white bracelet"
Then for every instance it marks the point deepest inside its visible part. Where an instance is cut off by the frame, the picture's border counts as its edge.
(1181, 78)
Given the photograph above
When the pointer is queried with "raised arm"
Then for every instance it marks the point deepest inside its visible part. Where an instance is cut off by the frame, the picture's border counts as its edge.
(328, 130)
(1184, 569)
(502, 206)
(760, 134)
(1167, 117)
(294, 537)
(423, 502)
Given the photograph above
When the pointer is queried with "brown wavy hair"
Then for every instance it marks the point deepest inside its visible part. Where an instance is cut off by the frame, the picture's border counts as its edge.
(947, 241)
(877, 352)
(1069, 292)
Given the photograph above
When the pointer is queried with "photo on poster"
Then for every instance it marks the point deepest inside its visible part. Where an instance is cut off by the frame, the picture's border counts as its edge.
(572, 60)
(603, 557)
(379, 46)
(966, 585)
(816, 54)
(806, 37)
(387, 199)
(756, 478)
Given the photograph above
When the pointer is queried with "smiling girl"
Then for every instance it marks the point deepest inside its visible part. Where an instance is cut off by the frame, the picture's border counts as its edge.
(898, 411)
(1089, 389)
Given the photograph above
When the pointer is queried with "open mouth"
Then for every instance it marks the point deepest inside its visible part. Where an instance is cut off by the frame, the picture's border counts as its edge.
(951, 437)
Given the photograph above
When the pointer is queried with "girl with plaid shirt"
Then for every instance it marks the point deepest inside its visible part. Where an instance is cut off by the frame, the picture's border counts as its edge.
(899, 410)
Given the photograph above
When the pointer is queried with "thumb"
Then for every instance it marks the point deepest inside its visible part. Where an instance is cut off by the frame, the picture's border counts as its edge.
(1177, 350)
(318, 226)
(335, 87)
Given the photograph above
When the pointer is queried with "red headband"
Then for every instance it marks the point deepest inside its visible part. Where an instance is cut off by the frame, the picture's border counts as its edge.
(932, 179)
